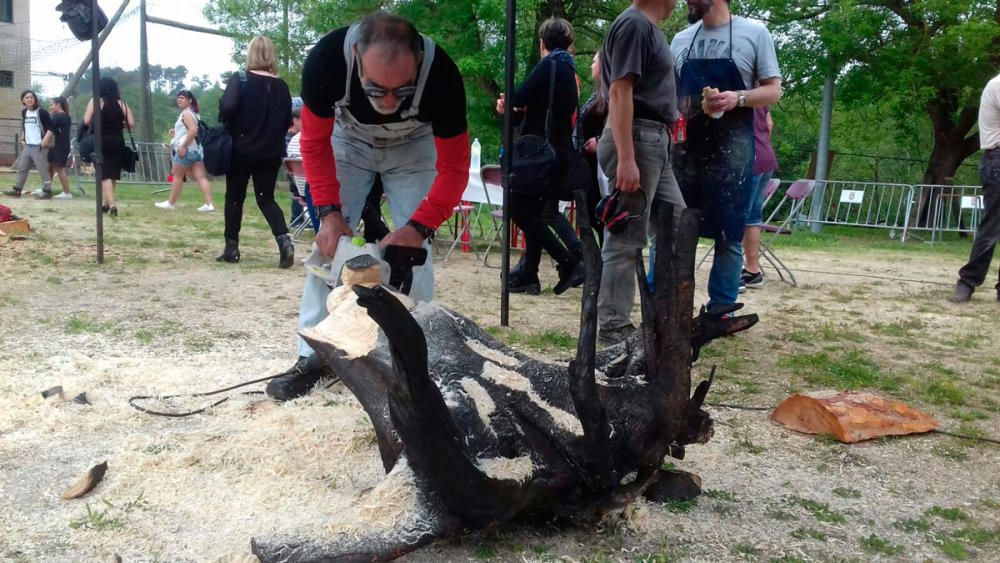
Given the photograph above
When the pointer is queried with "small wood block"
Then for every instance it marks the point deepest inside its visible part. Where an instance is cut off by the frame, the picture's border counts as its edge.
(56, 391)
(17, 227)
(851, 417)
(87, 482)
(361, 270)
(674, 484)
(81, 399)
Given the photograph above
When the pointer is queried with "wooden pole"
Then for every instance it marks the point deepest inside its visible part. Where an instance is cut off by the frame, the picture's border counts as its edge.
(146, 110)
(70, 88)
(95, 120)
(189, 27)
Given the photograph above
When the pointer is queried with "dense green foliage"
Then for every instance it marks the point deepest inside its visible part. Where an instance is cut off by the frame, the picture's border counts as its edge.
(909, 73)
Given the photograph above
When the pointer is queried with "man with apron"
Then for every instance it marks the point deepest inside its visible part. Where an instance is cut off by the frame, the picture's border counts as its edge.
(714, 167)
(399, 105)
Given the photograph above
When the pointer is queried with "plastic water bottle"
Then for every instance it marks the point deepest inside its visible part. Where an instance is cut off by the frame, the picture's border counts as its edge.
(477, 154)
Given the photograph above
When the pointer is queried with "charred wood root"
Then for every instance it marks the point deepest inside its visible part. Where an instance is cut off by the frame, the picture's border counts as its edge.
(707, 328)
(431, 439)
(582, 379)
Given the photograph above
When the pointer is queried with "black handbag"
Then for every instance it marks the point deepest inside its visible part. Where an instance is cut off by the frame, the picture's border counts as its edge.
(130, 155)
(535, 163)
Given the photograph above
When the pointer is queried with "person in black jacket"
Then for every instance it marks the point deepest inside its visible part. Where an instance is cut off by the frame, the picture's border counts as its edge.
(589, 125)
(537, 214)
(36, 134)
(256, 109)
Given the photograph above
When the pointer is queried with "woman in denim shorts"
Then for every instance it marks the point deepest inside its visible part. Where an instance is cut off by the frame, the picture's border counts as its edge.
(187, 157)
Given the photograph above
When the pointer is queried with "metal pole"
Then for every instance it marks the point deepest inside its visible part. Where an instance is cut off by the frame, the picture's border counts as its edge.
(95, 123)
(508, 157)
(822, 154)
(146, 117)
(70, 88)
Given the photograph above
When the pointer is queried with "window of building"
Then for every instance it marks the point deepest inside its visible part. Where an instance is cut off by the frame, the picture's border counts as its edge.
(6, 77)
(7, 11)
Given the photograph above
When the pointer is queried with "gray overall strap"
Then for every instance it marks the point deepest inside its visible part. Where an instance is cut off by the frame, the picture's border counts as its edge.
(425, 69)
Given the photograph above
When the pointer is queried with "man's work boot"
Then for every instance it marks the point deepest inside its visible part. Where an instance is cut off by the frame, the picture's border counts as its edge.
(298, 380)
(286, 250)
(962, 294)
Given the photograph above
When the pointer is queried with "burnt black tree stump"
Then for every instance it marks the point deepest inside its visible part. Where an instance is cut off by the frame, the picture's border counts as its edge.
(472, 433)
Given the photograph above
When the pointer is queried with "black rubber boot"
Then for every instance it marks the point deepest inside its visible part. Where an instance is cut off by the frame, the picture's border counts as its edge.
(232, 252)
(570, 275)
(298, 380)
(286, 249)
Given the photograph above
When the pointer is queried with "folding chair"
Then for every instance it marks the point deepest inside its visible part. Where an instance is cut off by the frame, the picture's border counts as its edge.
(492, 178)
(772, 186)
(302, 221)
(795, 197)
(472, 199)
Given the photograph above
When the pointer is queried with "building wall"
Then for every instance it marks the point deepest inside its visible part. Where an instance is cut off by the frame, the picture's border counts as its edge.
(15, 57)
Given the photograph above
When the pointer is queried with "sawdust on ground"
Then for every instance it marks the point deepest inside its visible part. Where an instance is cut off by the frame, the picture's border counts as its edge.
(162, 317)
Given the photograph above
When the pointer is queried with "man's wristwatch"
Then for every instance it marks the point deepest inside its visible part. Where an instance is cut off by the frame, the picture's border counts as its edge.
(741, 99)
(424, 230)
(324, 210)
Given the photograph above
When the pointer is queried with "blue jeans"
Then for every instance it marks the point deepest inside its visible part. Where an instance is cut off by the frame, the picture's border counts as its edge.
(407, 171)
(757, 185)
(724, 278)
(190, 157)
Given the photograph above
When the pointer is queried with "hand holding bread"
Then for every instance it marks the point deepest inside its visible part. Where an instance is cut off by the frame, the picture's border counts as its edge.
(706, 93)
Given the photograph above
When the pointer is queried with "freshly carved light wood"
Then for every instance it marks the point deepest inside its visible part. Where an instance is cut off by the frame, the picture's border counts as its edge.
(851, 417)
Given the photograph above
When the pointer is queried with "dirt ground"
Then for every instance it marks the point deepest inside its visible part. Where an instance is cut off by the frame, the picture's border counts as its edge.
(163, 317)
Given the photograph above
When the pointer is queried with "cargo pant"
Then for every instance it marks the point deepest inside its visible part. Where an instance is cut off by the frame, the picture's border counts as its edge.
(657, 182)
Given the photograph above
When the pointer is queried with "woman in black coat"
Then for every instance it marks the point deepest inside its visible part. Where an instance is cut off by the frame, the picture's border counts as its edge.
(256, 109)
(537, 213)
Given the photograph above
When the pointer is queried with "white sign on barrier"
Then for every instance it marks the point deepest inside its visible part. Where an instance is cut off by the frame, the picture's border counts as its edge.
(972, 202)
(852, 196)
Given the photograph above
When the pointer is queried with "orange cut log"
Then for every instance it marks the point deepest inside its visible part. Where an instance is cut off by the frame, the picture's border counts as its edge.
(851, 417)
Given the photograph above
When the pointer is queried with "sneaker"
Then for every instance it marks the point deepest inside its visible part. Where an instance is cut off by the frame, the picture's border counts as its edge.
(616, 335)
(753, 281)
(63, 195)
(963, 293)
(13, 192)
(42, 194)
(298, 380)
(165, 205)
(206, 208)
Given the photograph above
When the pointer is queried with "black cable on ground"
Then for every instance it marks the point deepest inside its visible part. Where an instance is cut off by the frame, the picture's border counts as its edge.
(876, 277)
(132, 400)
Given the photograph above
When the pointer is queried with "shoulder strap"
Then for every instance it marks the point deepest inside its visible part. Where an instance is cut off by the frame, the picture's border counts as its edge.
(349, 40)
(548, 111)
(425, 71)
(127, 126)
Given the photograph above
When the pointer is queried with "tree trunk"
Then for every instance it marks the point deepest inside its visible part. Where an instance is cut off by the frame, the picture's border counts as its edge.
(952, 145)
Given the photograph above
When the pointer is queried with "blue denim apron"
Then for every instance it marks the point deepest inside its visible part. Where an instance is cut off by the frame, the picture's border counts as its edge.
(714, 168)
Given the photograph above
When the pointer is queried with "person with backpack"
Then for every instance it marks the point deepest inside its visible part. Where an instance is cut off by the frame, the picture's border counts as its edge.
(256, 109)
(36, 134)
(187, 158)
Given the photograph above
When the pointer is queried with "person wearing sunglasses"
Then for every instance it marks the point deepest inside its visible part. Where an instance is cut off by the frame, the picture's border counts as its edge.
(394, 104)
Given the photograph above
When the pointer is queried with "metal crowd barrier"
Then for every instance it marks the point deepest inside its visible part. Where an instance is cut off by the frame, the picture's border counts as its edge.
(866, 204)
(153, 166)
(902, 209)
(941, 209)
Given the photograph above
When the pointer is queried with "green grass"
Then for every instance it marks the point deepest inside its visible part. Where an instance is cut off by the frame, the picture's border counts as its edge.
(846, 492)
(849, 370)
(943, 391)
(820, 510)
(913, 525)
(545, 341)
(949, 514)
(82, 324)
(724, 496)
(745, 550)
(682, 506)
(96, 519)
(878, 546)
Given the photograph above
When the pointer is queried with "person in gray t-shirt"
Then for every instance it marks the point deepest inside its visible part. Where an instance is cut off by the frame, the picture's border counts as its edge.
(637, 80)
(726, 66)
